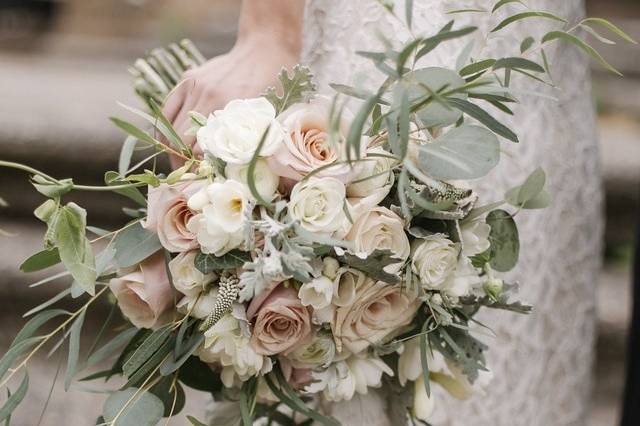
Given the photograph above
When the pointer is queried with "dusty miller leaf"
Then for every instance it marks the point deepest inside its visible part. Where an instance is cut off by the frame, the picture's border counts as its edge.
(373, 265)
(296, 88)
(207, 263)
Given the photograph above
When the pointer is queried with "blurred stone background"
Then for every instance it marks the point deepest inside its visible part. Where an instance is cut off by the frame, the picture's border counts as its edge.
(62, 67)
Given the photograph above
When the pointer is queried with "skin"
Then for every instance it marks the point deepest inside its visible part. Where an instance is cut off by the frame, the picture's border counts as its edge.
(269, 38)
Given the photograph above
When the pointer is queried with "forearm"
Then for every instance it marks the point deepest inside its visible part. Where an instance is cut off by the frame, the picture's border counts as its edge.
(276, 21)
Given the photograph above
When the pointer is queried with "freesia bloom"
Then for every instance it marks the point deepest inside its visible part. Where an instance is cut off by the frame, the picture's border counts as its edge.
(187, 279)
(380, 229)
(307, 145)
(318, 203)
(345, 284)
(378, 310)
(318, 352)
(226, 345)
(198, 306)
(280, 322)
(234, 133)
(224, 203)
(168, 215)
(434, 259)
(212, 238)
(145, 294)
(463, 280)
(317, 293)
(475, 237)
(343, 379)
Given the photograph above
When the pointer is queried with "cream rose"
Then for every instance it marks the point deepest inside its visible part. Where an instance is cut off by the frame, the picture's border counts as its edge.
(234, 133)
(307, 145)
(380, 229)
(434, 259)
(318, 203)
(463, 280)
(266, 181)
(378, 311)
(145, 295)
(168, 215)
(281, 323)
(317, 293)
(187, 279)
(375, 175)
(345, 284)
(318, 352)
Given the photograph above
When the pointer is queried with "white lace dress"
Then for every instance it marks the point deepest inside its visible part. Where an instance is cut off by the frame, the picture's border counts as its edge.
(542, 362)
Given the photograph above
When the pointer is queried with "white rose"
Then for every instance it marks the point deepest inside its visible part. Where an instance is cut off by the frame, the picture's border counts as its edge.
(265, 180)
(343, 379)
(380, 229)
(212, 238)
(375, 174)
(307, 145)
(233, 133)
(434, 259)
(475, 237)
(317, 293)
(223, 203)
(318, 203)
(187, 279)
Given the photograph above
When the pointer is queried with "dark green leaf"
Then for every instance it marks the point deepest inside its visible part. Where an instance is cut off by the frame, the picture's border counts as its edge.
(483, 117)
(41, 260)
(524, 15)
(504, 3)
(134, 244)
(146, 350)
(198, 375)
(195, 422)
(526, 44)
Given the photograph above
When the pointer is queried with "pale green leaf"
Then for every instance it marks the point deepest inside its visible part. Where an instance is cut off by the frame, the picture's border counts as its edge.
(143, 409)
(207, 263)
(15, 399)
(52, 189)
(485, 118)
(570, 38)
(524, 15)
(74, 247)
(611, 27)
(518, 64)
(429, 81)
(465, 152)
(126, 152)
(74, 349)
(134, 244)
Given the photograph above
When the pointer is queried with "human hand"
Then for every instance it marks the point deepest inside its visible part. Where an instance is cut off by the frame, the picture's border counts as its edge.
(244, 72)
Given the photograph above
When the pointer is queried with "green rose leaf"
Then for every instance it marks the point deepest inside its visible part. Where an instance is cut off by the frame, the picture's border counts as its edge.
(74, 247)
(466, 152)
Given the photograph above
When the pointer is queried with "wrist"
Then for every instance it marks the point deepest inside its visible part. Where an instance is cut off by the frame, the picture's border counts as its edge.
(273, 23)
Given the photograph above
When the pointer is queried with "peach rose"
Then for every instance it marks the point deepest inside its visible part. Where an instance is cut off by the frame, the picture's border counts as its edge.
(168, 215)
(280, 322)
(145, 294)
(307, 146)
(377, 311)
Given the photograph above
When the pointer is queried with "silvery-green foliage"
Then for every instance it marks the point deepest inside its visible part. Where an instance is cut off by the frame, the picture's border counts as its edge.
(459, 346)
(295, 88)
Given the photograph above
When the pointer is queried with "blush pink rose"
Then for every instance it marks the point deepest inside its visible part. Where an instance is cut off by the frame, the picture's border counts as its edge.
(307, 146)
(144, 295)
(280, 322)
(168, 215)
(298, 378)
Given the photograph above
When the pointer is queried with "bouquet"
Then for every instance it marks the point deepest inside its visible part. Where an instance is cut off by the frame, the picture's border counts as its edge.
(320, 248)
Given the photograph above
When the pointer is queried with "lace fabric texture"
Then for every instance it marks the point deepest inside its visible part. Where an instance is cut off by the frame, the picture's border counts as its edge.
(541, 362)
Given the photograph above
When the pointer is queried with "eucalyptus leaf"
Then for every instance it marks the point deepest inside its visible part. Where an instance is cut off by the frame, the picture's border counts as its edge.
(525, 15)
(485, 118)
(146, 350)
(14, 399)
(466, 152)
(52, 189)
(504, 239)
(34, 324)
(143, 409)
(126, 153)
(431, 80)
(41, 260)
(74, 349)
(570, 38)
(112, 178)
(134, 244)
